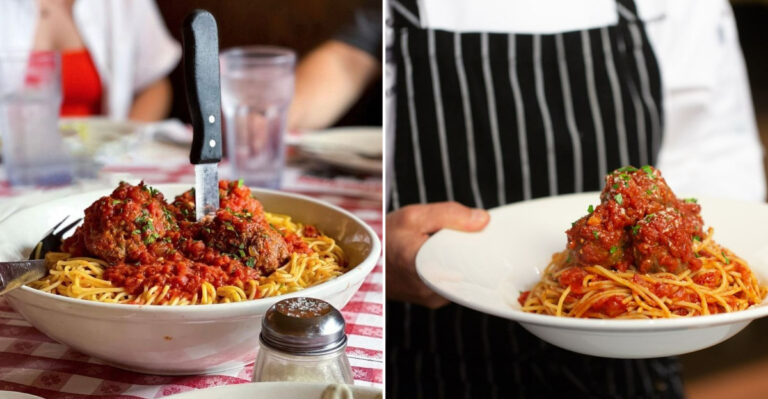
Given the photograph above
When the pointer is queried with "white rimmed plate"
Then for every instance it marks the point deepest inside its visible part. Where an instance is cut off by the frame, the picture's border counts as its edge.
(352, 148)
(282, 390)
(176, 340)
(486, 271)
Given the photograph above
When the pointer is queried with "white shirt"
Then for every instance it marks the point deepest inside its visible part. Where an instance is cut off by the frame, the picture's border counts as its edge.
(710, 145)
(127, 40)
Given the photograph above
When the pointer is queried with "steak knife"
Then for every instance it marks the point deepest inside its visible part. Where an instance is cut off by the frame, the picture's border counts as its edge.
(200, 42)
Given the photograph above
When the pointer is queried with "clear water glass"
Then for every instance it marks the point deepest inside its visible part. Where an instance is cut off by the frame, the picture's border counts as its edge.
(256, 91)
(30, 99)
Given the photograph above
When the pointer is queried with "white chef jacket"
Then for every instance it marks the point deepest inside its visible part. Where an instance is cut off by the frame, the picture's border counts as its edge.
(127, 40)
(710, 145)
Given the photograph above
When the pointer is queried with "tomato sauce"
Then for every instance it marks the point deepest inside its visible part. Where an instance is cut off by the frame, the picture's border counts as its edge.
(639, 225)
(149, 242)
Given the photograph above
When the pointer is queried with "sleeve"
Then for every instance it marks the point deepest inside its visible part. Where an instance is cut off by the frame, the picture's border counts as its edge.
(711, 145)
(364, 30)
(156, 51)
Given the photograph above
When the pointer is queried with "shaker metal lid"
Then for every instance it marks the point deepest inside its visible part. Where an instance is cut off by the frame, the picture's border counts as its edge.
(303, 326)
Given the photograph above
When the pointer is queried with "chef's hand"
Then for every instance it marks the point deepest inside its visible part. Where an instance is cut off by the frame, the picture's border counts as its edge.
(407, 230)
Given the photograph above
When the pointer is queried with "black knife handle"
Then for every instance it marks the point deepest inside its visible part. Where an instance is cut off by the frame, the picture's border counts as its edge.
(200, 42)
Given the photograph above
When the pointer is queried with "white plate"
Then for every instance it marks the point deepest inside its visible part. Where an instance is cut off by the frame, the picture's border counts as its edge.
(17, 395)
(486, 271)
(354, 148)
(281, 390)
(175, 339)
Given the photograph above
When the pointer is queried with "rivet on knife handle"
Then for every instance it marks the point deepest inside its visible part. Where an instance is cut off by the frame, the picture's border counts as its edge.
(201, 69)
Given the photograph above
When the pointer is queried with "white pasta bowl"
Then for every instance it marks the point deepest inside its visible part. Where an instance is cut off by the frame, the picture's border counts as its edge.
(487, 271)
(185, 339)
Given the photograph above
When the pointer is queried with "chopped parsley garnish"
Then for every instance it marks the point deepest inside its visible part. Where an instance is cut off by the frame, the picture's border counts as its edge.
(727, 261)
(241, 253)
(696, 238)
(591, 209)
(649, 216)
(116, 201)
(240, 183)
(168, 215)
(148, 226)
(145, 221)
(625, 177)
(229, 226)
(627, 168)
(595, 234)
(613, 250)
(250, 262)
(649, 192)
(618, 199)
(137, 231)
(691, 200)
(635, 229)
(151, 238)
(648, 171)
(151, 190)
(615, 186)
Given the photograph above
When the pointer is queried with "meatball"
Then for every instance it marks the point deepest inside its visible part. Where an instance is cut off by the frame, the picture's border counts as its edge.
(252, 241)
(639, 224)
(233, 195)
(599, 238)
(638, 191)
(663, 241)
(74, 244)
(119, 227)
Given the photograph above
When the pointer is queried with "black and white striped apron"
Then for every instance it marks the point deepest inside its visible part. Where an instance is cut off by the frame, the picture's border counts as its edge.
(487, 119)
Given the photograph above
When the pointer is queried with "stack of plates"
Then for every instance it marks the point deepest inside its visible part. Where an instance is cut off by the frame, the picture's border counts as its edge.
(355, 149)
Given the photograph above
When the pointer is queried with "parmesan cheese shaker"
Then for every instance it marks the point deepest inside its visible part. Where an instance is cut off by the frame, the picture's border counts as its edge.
(303, 339)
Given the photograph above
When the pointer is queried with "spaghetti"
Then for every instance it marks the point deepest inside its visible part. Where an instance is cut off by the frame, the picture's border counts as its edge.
(175, 279)
(622, 263)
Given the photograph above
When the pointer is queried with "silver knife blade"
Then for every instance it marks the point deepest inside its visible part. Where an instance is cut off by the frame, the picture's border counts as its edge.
(206, 189)
(16, 274)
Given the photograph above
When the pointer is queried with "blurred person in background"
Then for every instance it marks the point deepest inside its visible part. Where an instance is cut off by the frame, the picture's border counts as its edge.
(115, 54)
(334, 75)
(496, 102)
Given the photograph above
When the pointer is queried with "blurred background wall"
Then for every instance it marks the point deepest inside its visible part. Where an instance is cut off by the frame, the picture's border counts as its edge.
(297, 24)
(738, 368)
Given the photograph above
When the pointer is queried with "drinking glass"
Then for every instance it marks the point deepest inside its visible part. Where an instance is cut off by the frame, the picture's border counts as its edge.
(30, 98)
(256, 91)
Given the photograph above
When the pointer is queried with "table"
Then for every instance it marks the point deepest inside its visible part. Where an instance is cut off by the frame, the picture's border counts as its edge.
(32, 362)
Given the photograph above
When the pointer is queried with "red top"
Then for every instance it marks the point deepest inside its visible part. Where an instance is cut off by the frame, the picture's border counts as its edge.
(80, 84)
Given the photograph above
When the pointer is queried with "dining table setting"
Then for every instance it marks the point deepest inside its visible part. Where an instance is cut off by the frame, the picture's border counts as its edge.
(34, 363)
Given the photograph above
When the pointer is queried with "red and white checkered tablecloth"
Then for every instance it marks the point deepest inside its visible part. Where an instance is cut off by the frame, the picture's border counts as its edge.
(32, 362)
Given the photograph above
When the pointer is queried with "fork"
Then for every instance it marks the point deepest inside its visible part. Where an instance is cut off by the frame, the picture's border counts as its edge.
(16, 274)
(51, 241)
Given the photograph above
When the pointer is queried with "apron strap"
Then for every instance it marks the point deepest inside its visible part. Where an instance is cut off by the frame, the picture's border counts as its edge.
(410, 16)
(627, 10)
